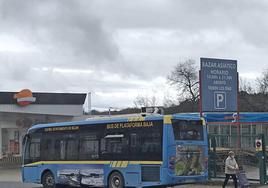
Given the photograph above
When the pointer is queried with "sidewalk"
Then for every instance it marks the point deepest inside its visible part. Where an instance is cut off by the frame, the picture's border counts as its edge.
(218, 183)
(10, 175)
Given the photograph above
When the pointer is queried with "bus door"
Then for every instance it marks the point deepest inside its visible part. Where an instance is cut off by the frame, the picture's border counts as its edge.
(189, 149)
(30, 171)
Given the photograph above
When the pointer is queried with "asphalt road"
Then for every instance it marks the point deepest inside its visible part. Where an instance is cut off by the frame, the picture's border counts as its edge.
(24, 185)
(18, 185)
(11, 178)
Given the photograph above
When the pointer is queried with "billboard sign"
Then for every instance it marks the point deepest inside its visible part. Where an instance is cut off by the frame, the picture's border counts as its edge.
(218, 85)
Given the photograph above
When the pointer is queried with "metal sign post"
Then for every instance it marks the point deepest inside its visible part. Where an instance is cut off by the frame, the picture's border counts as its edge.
(218, 79)
(261, 153)
(218, 87)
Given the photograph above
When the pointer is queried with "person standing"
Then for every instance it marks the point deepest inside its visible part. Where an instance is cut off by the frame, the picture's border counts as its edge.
(231, 168)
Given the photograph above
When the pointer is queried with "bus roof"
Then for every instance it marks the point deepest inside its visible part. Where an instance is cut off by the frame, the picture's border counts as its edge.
(99, 120)
(120, 118)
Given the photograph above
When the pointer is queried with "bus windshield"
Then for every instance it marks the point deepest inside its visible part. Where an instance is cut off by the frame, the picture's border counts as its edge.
(188, 129)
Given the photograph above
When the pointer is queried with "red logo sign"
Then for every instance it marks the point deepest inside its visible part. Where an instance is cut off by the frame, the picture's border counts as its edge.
(24, 97)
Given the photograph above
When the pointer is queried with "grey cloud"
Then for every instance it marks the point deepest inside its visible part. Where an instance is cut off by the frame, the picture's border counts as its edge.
(63, 30)
(50, 79)
(14, 66)
(190, 14)
(248, 17)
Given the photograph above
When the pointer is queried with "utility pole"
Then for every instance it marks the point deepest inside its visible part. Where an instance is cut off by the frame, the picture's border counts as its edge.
(89, 102)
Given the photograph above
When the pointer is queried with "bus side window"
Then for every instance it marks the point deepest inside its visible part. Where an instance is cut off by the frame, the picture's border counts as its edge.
(62, 149)
(66, 147)
(135, 144)
(103, 146)
(57, 149)
(115, 147)
(151, 145)
(133, 140)
(71, 149)
(89, 147)
(48, 149)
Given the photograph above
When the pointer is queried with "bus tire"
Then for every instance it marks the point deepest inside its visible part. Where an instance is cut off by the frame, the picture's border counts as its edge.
(48, 180)
(116, 180)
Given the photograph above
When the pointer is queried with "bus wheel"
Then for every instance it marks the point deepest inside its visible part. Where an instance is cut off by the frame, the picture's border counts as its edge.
(48, 180)
(116, 180)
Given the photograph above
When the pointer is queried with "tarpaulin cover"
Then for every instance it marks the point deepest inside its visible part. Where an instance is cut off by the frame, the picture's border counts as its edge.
(245, 117)
(233, 117)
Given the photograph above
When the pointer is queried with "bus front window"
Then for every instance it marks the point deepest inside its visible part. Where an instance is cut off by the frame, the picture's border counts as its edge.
(32, 150)
(25, 139)
(187, 130)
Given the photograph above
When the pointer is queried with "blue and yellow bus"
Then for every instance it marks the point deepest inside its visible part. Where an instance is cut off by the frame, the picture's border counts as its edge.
(116, 152)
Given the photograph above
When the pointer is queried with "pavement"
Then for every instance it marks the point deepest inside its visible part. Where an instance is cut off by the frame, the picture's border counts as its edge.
(9, 176)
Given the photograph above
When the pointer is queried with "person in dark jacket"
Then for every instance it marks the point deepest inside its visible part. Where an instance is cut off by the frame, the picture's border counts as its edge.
(231, 168)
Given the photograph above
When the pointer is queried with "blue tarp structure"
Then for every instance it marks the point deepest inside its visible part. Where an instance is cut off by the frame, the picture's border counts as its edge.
(245, 117)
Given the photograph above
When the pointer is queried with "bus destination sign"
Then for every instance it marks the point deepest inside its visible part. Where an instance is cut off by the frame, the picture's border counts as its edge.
(66, 128)
(138, 124)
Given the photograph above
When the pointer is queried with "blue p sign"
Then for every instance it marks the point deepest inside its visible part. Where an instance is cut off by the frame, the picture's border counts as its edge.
(220, 100)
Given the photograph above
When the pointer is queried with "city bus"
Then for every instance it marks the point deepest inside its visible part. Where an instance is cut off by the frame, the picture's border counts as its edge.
(116, 152)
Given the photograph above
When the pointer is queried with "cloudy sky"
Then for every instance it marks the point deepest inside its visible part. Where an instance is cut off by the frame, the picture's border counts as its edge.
(119, 49)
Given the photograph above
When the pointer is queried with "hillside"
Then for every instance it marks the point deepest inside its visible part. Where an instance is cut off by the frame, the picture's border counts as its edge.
(247, 102)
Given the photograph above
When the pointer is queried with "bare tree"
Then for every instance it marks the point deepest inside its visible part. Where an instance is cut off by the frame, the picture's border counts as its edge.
(168, 101)
(145, 101)
(245, 85)
(185, 78)
(262, 82)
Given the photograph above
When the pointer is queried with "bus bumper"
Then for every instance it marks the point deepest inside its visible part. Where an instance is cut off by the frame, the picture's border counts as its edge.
(171, 178)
